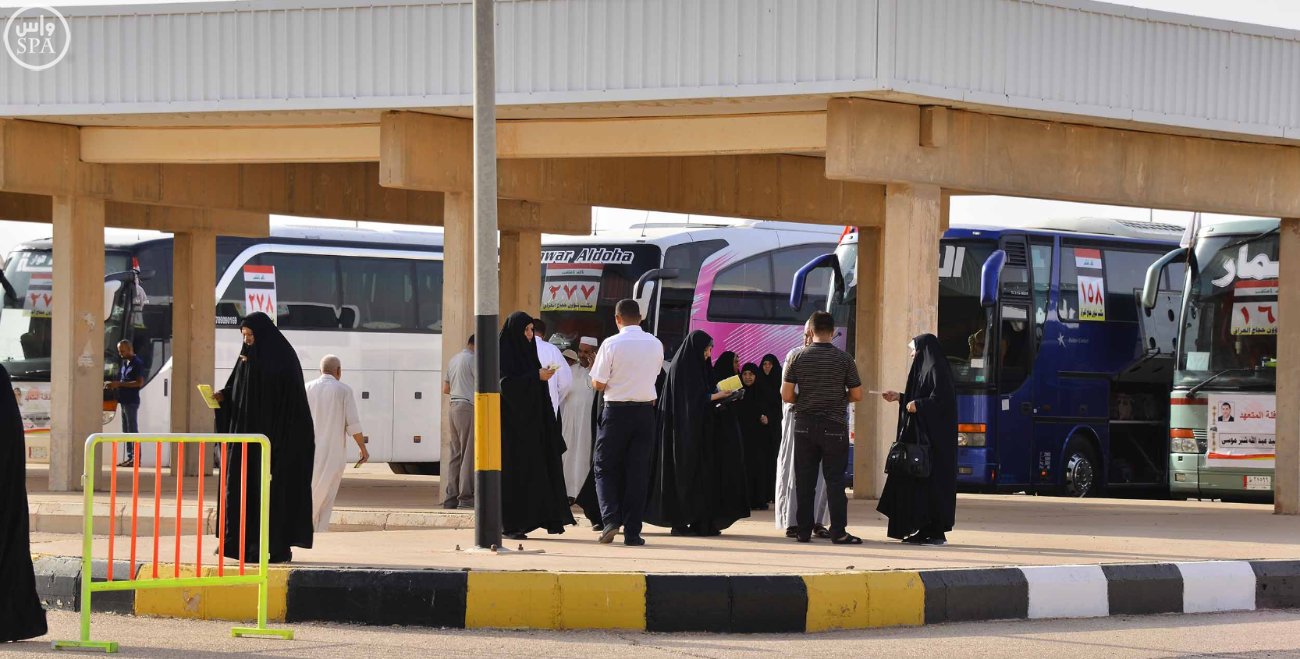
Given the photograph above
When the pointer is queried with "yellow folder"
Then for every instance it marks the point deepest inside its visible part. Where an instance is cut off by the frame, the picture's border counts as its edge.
(730, 384)
(205, 390)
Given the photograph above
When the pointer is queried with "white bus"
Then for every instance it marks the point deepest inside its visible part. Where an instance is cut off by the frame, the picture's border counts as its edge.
(372, 297)
(731, 280)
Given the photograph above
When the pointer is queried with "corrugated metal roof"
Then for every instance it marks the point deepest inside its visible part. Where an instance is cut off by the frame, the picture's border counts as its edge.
(1059, 56)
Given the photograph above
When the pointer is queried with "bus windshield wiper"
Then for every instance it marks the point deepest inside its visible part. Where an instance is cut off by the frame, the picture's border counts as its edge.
(1191, 393)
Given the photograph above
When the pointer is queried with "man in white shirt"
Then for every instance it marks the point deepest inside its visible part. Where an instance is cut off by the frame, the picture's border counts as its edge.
(549, 356)
(334, 415)
(626, 368)
(575, 417)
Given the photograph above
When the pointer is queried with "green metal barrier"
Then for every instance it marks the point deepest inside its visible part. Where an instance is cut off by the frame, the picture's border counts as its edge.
(260, 579)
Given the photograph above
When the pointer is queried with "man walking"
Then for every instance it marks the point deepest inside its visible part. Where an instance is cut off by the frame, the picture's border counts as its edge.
(625, 369)
(828, 381)
(130, 377)
(335, 418)
(458, 382)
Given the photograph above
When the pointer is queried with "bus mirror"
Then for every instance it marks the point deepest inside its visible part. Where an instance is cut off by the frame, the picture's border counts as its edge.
(1151, 287)
(644, 287)
(991, 277)
(801, 279)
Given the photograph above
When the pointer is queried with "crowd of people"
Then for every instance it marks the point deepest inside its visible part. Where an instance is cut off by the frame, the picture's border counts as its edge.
(698, 445)
(606, 428)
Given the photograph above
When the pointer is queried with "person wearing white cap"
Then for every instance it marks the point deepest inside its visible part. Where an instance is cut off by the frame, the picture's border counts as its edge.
(575, 417)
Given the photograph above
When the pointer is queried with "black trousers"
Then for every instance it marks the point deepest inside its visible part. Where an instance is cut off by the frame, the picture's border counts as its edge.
(625, 444)
(824, 443)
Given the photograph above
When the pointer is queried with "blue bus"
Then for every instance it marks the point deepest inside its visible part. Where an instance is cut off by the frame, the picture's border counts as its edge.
(1063, 377)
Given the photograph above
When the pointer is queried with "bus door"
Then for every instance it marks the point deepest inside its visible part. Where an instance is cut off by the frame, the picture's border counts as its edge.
(122, 309)
(1014, 350)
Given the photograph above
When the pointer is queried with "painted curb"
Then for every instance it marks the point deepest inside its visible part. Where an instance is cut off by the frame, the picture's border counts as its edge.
(707, 603)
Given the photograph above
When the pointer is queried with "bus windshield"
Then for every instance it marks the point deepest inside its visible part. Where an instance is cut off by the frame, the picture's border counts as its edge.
(582, 283)
(25, 323)
(1230, 317)
(963, 323)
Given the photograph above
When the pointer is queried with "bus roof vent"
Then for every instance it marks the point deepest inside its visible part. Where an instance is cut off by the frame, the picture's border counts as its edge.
(1016, 256)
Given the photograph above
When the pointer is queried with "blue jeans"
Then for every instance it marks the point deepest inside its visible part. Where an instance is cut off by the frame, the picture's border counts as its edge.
(130, 423)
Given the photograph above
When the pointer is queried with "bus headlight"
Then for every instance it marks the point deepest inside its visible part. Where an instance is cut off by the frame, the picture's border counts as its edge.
(1181, 440)
(971, 435)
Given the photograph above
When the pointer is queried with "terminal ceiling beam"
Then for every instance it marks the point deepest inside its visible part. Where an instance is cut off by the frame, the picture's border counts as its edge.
(18, 207)
(881, 142)
(795, 132)
(427, 152)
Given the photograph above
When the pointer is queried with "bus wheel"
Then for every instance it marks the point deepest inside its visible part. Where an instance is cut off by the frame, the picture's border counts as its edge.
(1081, 474)
(397, 467)
(415, 468)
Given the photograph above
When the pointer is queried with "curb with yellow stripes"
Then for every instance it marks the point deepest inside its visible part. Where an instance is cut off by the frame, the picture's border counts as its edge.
(710, 603)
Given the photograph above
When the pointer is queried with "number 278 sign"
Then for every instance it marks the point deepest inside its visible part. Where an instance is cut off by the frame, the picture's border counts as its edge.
(259, 290)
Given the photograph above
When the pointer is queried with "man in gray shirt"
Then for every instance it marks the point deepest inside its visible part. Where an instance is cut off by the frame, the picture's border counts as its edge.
(458, 382)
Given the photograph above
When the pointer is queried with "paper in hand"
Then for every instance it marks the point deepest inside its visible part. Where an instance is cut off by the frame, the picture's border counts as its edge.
(730, 384)
(205, 390)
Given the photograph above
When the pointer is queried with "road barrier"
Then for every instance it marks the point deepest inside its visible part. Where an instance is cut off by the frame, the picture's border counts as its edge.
(136, 579)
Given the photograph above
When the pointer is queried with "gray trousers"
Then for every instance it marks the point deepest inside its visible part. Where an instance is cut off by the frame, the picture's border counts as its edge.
(458, 482)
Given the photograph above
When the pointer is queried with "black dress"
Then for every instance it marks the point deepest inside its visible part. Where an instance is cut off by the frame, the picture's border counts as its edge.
(265, 395)
(926, 506)
(732, 482)
(756, 437)
(775, 411)
(21, 615)
(532, 444)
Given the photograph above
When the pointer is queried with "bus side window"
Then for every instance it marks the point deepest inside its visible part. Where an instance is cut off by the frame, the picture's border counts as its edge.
(1014, 353)
(677, 295)
(1040, 260)
(1125, 275)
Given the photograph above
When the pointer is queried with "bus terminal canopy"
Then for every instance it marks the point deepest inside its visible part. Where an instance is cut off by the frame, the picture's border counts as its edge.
(866, 113)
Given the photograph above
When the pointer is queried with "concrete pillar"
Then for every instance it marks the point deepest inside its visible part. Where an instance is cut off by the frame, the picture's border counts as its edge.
(457, 292)
(898, 300)
(194, 259)
(1286, 475)
(521, 272)
(77, 368)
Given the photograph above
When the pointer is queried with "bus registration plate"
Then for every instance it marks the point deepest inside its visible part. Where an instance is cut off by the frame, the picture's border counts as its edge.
(1258, 482)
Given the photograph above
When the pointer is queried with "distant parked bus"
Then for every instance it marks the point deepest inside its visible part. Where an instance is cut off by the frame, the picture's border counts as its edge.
(731, 281)
(1061, 379)
(374, 298)
(1223, 432)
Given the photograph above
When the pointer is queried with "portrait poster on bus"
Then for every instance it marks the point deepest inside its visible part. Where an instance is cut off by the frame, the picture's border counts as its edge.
(259, 290)
(1243, 431)
(1254, 308)
(571, 287)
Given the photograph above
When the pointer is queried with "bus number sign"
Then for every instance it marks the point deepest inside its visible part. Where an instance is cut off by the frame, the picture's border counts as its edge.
(259, 290)
(1092, 298)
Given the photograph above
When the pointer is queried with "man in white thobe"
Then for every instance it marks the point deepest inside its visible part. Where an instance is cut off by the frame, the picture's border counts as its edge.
(334, 415)
(549, 355)
(575, 415)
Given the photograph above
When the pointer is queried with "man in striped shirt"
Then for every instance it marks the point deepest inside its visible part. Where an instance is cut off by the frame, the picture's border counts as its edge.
(827, 381)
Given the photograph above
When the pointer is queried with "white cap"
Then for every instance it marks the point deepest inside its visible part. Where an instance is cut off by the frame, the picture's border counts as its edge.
(569, 354)
(589, 341)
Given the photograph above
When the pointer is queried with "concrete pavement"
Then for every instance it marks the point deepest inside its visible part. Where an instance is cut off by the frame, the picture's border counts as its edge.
(1257, 634)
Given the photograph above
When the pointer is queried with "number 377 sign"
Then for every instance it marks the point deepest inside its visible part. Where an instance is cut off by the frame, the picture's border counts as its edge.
(259, 290)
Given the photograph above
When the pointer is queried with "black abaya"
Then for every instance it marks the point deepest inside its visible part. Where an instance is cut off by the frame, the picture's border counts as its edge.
(927, 506)
(532, 443)
(732, 483)
(21, 615)
(265, 395)
(775, 412)
(749, 413)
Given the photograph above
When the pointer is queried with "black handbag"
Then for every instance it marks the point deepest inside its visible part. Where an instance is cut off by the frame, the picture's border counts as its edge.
(909, 458)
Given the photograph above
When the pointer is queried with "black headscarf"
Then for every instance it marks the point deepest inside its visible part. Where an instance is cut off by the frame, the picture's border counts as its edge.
(685, 423)
(518, 354)
(926, 504)
(21, 615)
(265, 395)
(725, 367)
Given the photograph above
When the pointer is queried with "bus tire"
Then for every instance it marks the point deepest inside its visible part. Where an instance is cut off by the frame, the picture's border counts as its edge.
(397, 467)
(1080, 470)
(416, 468)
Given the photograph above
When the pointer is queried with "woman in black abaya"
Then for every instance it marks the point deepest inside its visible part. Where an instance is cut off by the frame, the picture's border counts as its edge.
(750, 412)
(21, 615)
(685, 490)
(729, 470)
(265, 395)
(769, 375)
(532, 444)
(922, 510)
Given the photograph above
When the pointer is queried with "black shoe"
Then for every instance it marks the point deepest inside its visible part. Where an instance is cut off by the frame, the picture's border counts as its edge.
(597, 527)
(847, 539)
(804, 536)
(465, 506)
(936, 541)
(515, 536)
(761, 506)
(916, 539)
(821, 531)
(607, 534)
(556, 530)
(634, 542)
(680, 531)
(450, 505)
(791, 531)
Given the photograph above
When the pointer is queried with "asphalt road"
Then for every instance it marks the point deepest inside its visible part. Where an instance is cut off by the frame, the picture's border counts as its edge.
(1236, 635)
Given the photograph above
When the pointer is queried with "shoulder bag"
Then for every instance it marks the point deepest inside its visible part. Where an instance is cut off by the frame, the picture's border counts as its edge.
(909, 458)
